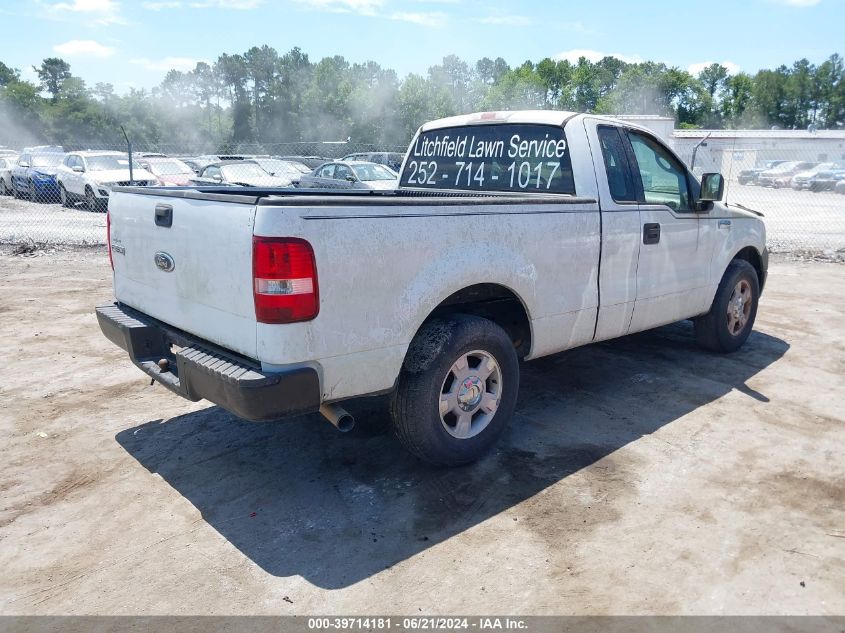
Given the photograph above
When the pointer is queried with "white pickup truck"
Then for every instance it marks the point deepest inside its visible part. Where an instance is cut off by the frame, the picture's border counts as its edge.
(511, 235)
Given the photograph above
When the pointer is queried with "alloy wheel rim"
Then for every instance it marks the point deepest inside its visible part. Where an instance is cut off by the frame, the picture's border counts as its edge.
(470, 394)
(739, 307)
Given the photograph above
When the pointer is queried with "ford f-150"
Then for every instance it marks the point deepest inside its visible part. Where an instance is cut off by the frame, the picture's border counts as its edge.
(510, 236)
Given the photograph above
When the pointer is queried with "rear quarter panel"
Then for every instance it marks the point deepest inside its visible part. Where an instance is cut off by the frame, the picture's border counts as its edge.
(382, 270)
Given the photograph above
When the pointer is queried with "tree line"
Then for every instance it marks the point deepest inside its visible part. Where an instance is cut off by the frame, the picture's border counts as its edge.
(262, 96)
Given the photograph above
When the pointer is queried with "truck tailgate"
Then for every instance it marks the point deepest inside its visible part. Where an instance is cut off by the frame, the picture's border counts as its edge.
(196, 273)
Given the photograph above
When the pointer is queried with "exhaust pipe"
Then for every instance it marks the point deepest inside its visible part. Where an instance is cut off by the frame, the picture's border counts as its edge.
(340, 418)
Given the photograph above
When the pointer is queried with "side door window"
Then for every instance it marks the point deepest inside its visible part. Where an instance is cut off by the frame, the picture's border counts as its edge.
(213, 172)
(327, 171)
(664, 179)
(342, 172)
(616, 165)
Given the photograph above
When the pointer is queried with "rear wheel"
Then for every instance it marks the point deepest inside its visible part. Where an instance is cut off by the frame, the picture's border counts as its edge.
(731, 318)
(457, 390)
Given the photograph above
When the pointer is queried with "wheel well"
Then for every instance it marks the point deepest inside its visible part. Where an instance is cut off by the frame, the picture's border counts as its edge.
(493, 302)
(750, 254)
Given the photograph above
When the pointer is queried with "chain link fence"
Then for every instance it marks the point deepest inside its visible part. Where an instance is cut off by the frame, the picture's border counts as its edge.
(795, 179)
(52, 194)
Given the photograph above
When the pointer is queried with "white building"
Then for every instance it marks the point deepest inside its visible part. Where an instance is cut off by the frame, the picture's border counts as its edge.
(730, 151)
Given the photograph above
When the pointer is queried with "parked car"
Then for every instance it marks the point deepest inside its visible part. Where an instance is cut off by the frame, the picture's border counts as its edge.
(5, 151)
(7, 162)
(169, 171)
(44, 149)
(350, 175)
(781, 175)
(288, 169)
(278, 303)
(194, 162)
(389, 159)
(90, 176)
(801, 180)
(35, 176)
(312, 162)
(238, 173)
(827, 179)
(749, 176)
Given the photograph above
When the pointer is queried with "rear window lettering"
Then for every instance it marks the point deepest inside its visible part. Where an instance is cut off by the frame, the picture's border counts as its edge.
(513, 157)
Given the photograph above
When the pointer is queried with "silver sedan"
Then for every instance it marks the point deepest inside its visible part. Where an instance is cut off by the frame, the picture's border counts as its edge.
(351, 175)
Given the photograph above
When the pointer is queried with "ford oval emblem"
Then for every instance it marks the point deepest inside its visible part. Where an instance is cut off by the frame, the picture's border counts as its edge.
(164, 262)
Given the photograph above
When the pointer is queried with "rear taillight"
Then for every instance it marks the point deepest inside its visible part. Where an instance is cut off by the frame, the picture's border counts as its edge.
(108, 237)
(284, 280)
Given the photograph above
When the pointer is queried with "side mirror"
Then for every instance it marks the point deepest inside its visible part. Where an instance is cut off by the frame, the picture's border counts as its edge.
(712, 188)
(350, 178)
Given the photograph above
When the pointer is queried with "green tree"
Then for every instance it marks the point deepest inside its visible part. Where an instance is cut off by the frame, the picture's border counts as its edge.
(52, 74)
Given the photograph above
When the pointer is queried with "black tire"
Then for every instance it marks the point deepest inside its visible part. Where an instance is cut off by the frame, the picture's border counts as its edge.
(15, 191)
(30, 188)
(64, 198)
(90, 199)
(4, 189)
(415, 405)
(713, 331)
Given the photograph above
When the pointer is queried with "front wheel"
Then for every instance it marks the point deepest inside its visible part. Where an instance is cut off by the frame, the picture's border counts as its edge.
(63, 197)
(90, 199)
(457, 390)
(731, 318)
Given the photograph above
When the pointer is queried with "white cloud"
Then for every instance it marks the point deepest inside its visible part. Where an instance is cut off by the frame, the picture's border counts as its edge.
(362, 7)
(508, 20)
(573, 55)
(694, 69)
(159, 5)
(184, 64)
(78, 48)
(99, 12)
(378, 9)
(431, 19)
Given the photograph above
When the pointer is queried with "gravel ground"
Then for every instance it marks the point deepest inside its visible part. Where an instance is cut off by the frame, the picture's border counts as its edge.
(638, 476)
(795, 220)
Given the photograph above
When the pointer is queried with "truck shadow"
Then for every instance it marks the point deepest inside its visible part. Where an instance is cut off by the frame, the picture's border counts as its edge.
(299, 498)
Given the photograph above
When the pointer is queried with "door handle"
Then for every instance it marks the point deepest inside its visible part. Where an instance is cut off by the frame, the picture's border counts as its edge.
(164, 215)
(651, 233)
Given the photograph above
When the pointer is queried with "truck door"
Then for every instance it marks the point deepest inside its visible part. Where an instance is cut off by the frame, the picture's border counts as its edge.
(674, 254)
(620, 215)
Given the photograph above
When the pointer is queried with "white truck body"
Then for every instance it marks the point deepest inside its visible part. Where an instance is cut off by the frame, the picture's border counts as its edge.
(577, 263)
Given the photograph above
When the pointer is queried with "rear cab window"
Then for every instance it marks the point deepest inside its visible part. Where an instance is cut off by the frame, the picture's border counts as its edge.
(511, 157)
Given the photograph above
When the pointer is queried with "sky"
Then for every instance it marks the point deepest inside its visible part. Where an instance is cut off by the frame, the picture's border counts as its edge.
(132, 43)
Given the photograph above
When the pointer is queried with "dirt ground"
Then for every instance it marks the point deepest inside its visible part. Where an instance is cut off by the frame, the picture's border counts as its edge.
(639, 476)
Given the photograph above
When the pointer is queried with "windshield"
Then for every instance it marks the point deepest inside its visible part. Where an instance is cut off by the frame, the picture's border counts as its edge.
(821, 167)
(47, 160)
(107, 162)
(170, 167)
(518, 157)
(280, 167)
(243, 170)
(373, 172)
